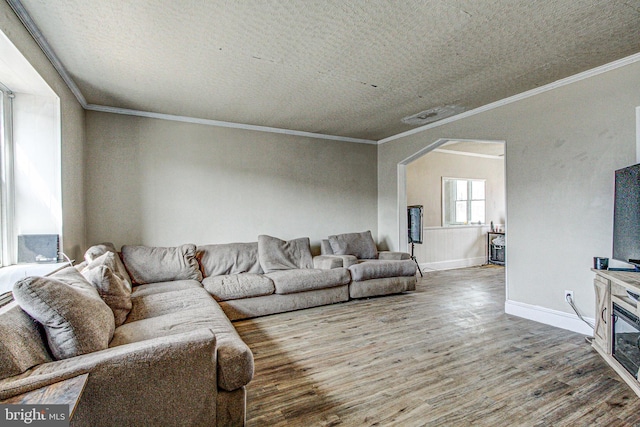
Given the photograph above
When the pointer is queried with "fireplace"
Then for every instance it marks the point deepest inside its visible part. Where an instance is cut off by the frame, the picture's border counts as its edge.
(626, 339)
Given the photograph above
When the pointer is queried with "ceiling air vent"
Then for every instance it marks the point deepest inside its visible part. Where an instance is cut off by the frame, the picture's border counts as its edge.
(433, 115)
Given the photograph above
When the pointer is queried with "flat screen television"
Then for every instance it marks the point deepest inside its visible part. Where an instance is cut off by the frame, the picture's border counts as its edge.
(626, 215)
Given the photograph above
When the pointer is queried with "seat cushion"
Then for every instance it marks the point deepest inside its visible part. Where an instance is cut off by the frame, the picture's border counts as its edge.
(234, 358)
(236, 286)
(159, 304)
(160, 287)
(21, 341)
(292, 281)
(361, 245)
(230, 258)
(159, 264)
(377, 269)
(276, 254)
(76, 320)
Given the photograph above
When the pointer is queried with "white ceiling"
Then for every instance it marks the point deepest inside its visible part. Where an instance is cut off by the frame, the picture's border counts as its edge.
(336, 67)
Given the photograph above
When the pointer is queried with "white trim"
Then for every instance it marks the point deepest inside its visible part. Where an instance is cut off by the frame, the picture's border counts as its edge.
(559, 83)
(637, 134)
(208, 122)
(556, 318)
(453, 263)
(466, 153)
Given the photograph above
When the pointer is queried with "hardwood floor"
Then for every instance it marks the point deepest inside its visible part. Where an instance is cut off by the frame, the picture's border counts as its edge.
(445, 354)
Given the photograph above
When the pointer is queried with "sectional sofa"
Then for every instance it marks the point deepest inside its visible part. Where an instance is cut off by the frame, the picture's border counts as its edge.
(152, 326)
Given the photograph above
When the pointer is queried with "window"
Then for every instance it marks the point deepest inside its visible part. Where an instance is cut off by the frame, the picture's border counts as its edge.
(463, 201)
(7, 243)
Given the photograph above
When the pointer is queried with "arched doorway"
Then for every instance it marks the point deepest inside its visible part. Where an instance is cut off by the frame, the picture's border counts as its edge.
(454, 239)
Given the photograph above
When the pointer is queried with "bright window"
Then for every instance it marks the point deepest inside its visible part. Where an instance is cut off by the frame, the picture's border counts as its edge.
(463, 201)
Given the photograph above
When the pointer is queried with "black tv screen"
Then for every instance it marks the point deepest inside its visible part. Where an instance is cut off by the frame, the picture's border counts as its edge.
(626, 215)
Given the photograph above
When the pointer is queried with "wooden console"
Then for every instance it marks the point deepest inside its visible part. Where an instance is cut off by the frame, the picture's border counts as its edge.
(611, 286)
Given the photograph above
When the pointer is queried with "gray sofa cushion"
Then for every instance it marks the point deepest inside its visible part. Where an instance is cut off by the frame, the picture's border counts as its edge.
(236, 286)
(375, 269)
(98, 250)
(160, 287)
(21, 341)
(76, 320)
(292, 281)
(112, 288)
(361, 245)
(231, 258)
(160, 264)
(235, 360)
(276, 254)
(155, 305)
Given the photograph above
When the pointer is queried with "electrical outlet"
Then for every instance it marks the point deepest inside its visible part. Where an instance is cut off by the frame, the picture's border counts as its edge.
(568, 294)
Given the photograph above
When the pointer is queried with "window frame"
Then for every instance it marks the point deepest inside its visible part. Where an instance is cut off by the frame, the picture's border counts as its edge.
(8, 236)
(449, 204)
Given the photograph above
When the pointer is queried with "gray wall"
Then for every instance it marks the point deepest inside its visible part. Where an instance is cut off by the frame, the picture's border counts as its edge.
(158, 182)
(562, 147)
(72, 134)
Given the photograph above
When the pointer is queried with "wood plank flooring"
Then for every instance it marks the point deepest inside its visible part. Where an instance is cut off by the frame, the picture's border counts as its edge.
(445, 354)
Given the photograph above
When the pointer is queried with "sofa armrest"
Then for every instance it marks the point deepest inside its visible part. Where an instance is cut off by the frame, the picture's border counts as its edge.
(327, 262)
(393, 256)
(148, 382)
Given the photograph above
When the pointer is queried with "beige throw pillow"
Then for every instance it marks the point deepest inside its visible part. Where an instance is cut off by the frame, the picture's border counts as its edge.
(97, 251)
(75, 319)
(111, 287)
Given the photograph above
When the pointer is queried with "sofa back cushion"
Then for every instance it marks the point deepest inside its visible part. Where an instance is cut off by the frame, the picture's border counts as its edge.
(75, 319)
(276, 254)
(157, 264)
(360, 245)
(21, 341)
(229, 258)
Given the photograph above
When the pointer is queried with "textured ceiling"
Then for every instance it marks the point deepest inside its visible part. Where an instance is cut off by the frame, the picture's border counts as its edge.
(347, 68)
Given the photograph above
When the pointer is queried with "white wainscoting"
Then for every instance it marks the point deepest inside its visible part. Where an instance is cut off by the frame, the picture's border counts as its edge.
(445, 248)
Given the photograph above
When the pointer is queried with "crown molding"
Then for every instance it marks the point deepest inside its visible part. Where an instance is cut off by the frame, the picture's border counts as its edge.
(208, 122)
(533, 92)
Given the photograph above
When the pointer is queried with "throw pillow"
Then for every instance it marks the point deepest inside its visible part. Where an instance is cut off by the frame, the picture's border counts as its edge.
(22, 345)
(97, 251)
(75, 319)
(276, 254)
(360, 245)
(113, 290)
(154, 264)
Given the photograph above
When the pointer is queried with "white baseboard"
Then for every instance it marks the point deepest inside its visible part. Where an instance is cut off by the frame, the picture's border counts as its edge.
(556, 318)
(451, 264)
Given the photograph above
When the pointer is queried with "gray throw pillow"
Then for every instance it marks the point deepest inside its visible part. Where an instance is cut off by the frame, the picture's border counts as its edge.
(276, 254)
(75, 319)
(156, 264)
(97, 251)
(21, 341)
(360, 245)
(111, 287)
